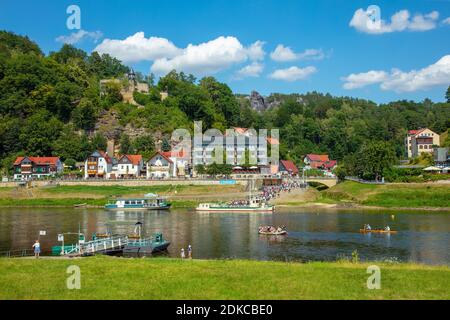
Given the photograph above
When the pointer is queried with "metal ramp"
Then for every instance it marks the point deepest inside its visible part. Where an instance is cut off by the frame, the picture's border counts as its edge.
(102, 246)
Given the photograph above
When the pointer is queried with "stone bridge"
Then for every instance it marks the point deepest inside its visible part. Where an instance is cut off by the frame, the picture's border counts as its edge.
(329, 182)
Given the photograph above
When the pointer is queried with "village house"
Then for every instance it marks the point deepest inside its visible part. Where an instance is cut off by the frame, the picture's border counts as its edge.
(129, 166)
(288, 168)
(26, 168)
(419, 141)
(160, 166)
(319, 161)
(98, 165)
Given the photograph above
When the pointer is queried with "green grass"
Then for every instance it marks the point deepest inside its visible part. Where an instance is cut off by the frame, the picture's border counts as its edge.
(114, 190)
(53, 202)
(67, 196)
(390, 195)
(164, 278)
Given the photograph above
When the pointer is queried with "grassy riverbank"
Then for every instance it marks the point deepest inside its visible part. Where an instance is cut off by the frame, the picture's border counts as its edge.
(181, 196)
(163, 278)
(435, 196)
(401, 195)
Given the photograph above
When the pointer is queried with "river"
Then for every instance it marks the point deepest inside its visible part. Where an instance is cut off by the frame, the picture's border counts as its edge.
(314, 235)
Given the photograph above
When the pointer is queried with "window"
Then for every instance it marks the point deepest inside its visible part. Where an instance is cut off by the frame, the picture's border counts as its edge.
(420, 147)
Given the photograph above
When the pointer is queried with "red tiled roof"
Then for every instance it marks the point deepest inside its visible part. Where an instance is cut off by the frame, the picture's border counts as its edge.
(240, 130)
(106, 156)
(164, 154)
(38, 160)
(177, 154)
(271, 140)
(330, 164)
(289, 166)
(414, 132)
(318, 157)
(134, 158)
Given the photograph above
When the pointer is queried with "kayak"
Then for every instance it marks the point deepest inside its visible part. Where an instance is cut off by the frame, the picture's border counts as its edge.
(376, 231)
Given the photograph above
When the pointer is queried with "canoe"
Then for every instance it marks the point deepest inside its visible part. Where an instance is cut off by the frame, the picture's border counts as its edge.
(376, 231)
(275, 233)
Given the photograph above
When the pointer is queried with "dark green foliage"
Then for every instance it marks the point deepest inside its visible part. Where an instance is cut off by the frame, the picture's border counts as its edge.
(144, 145)
(165, 146)
(125, 144)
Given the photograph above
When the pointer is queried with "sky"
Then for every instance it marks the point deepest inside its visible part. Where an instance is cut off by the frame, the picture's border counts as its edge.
(376, 50)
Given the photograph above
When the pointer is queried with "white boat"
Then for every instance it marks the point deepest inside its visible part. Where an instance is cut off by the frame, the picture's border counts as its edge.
(252, 205)
(149, 202)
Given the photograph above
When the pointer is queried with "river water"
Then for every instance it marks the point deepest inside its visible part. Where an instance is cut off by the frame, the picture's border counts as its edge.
(323, 235)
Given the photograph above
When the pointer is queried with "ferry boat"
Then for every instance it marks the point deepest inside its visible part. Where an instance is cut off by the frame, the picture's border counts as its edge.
(254, 204)
(149, 202)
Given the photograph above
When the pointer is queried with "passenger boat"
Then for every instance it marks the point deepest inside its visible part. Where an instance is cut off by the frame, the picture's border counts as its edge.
(149, 202)
(376, 231)
(255, 204)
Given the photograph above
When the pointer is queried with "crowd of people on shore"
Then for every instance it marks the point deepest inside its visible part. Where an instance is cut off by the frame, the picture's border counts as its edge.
(273, 192)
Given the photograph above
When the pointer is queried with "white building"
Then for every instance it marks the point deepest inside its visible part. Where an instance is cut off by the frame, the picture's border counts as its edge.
(160, 166)
(98, 165)
(129, 166)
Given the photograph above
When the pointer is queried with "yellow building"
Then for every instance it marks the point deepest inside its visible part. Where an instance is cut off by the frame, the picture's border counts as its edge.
(419, 141)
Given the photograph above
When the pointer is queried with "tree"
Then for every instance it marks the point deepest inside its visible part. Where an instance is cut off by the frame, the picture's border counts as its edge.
(98, 142)
(373, 158)
(165, 146)
(125, 144)
(447, 95)
(144, 145)
(84, 115)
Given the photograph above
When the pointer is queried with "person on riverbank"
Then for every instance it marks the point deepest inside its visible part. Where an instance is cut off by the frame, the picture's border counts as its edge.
(37, 249)
(190, 252)
(182, 253)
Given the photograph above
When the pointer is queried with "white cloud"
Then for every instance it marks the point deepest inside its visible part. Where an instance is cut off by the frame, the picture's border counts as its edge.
(400, 21)
(282, 54)
(209, 57)
(446, 21)
(80, 35)
(200, 59)
(255, 51)
(433, 75)
(359, 80)
(293, 73)
(252, 70)
(137, 48)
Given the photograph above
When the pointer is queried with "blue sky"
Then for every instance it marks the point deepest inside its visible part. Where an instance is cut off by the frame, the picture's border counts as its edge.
(326, 46)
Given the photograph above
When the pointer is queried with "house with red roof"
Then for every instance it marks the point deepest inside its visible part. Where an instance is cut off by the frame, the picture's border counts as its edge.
(129, 166)
(287, 167)
(161, 166)
(419, 141)
(319, 161)
(26, 168)
(98, 165)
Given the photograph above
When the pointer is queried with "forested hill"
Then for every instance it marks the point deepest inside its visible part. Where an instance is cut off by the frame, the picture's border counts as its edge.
(52, 105)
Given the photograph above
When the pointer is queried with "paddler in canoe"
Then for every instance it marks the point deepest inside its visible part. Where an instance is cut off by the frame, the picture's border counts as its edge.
(367, 229)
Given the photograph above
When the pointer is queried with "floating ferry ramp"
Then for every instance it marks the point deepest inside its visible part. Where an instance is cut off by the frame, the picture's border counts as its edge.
(111, 245)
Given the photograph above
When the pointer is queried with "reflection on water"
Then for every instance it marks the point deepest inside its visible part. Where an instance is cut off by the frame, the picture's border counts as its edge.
(313, 235)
